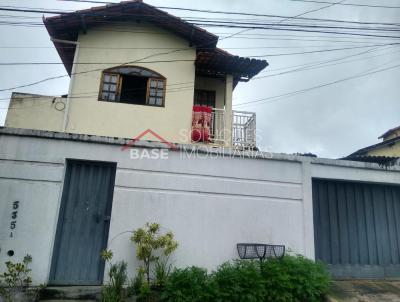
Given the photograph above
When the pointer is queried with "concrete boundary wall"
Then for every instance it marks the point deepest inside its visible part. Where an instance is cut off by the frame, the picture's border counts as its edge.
(209, 203)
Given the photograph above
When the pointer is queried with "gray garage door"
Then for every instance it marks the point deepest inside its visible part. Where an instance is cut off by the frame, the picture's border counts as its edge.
(83, 223)
(357, 228)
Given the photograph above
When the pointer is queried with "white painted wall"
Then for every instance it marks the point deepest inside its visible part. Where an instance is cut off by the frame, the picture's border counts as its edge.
(209, 204)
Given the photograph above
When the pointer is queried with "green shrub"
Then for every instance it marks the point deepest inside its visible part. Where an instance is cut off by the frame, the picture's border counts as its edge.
(294, 279)
(291, 279)
(239, 281)
(191, 284)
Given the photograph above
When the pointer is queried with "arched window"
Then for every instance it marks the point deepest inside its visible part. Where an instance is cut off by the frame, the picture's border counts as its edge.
(132, 85)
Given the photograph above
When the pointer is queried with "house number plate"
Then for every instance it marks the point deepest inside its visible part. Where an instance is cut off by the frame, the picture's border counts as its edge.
(14, 216)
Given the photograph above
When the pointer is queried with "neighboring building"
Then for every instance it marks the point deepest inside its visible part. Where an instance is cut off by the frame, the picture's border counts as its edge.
(134, 67)
(386, 152)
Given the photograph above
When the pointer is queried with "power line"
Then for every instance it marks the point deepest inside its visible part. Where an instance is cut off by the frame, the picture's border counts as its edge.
(78, 95)
(266, 15)
(42, 10)
(279, 97)
(318, 51)
(246, 26)
(271, 27)
(32, 10)
(348, 4)
(304, 66)
(183, 60)
(313, 10)
(321, 65)
(302, 25)
(100, 69)
(87, 63)
(159, 48)
(87, 71)
(213, 21)
(316, 63)
(296, 30)
(289, 94)
(86, 95)
(31, 84)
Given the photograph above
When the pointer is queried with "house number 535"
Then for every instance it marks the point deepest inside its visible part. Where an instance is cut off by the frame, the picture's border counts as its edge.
(14, 215)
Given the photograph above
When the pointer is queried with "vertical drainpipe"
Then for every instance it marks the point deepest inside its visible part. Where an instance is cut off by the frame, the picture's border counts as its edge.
(73, 71)
(228, 110)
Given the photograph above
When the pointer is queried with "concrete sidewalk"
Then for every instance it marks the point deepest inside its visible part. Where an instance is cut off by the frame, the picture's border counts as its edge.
(365, 291)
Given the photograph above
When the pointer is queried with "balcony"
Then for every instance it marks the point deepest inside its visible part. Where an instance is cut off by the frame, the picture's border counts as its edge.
(244, 129)
(240, 134)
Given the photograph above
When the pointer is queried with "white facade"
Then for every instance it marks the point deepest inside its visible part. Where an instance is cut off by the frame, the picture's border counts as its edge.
(210, 204)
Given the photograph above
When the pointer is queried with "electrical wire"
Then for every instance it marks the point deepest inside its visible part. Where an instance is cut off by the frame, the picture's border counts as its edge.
(182, 60)
(312, 11)
(43, 10)
(316, 63)
(100, 69)
(317, 66)
(347, 4)
(246, 28)
(290, 94)
(92, 93)
(269, 27)
(219, 22)
(312, 65)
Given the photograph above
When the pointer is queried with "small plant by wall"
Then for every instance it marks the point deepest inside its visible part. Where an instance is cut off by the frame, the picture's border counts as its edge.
(151, 246)
(153, 249)
(15, 282)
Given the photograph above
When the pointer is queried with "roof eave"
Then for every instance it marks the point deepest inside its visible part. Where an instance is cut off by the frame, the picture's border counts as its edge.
(363, 151)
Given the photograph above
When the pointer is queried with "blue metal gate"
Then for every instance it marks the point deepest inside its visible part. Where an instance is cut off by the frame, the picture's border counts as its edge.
(357, 228)
(83, 223)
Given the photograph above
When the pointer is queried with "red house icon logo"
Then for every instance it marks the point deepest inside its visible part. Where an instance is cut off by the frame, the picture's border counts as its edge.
(132, 141)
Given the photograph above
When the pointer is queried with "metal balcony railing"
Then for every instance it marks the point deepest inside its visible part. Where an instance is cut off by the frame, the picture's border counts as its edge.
(218, 126)
(243, 128)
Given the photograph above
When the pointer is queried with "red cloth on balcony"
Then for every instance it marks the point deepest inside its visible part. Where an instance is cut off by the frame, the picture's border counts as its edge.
(201, 121)
(197, 124)
(207, 114)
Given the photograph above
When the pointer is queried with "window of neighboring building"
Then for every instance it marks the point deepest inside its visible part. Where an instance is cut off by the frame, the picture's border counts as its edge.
(133, 85)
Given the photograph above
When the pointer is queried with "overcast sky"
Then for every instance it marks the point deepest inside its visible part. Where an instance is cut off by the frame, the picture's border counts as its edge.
(331, 121)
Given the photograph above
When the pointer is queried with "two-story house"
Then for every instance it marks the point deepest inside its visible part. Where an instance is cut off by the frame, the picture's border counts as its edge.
(134, 67)
(66, 197)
